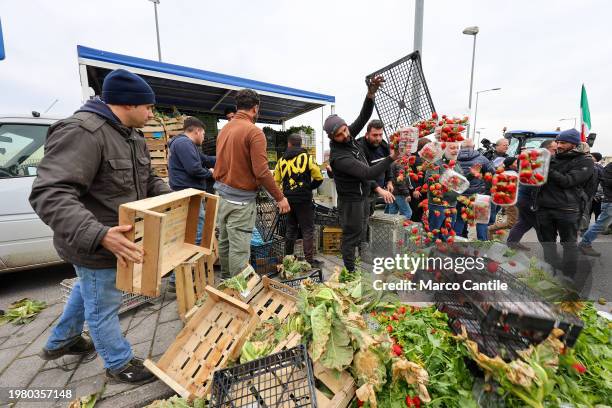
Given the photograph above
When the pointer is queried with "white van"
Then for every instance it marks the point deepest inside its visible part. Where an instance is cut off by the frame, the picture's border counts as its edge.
(25, 241)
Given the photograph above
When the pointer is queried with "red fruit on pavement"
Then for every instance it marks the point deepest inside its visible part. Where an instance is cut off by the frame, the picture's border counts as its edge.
(512, 263)
(401, 310)
(394, 317)
(492, 266)
(397, 350)
(389, 329)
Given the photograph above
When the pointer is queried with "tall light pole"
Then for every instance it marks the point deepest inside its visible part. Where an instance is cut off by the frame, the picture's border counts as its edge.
(476, 107)
(155, 3)
(574, 119)
(473, 30)
(419, 6)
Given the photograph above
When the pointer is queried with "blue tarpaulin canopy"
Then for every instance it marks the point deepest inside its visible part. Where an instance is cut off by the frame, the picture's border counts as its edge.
(193, 90)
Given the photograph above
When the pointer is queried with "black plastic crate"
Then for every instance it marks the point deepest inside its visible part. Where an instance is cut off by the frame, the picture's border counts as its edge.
(265, 256)
(280, 380)
(316, 275)
(492, 343)
(326, 216)
(268, 220)
(403, 98)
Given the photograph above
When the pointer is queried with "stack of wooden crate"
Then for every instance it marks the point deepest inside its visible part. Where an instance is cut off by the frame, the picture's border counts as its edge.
(157, 133)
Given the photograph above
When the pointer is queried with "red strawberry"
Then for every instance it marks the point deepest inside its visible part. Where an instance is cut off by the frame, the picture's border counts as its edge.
(506, 328)
(492, 266)
(389, 329)
(580, 369)
(397, 350)
(401, 310)
(512, 263)
(360, 403)
(539, 177)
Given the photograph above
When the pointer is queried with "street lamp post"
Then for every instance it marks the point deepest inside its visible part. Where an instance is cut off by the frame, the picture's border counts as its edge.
(476, 107)
(155, 3)
(574, 119)
(471, 31)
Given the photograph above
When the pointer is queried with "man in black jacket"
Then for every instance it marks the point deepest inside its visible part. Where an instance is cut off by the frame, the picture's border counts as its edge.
(561, 200)
(95, 161)
(605, 216)
(375, 149)
(297, 174)
(353, 176)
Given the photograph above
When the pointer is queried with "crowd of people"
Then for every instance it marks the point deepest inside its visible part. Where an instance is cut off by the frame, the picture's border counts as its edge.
(96, 160)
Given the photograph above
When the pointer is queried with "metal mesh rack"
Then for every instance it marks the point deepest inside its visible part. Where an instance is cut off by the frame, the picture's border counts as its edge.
(404, 97)
(283, 380)
(268, 220)
(385, 234)
(129, 300)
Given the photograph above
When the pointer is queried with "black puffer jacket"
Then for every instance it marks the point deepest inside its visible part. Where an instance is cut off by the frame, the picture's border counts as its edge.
(567, 176)
(606, 183)
(352, 173)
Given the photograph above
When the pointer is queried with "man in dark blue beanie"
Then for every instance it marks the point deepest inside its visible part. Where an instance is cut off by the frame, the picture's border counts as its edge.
(561, 201)
(95, 161)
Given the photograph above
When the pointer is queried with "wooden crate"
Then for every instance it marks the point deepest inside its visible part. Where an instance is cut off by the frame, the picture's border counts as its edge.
(213, 336)
(160, 171)
(332, 238)
(268, 297)
(165, 226)
(253, 282)
(192, 276)
(342, 384)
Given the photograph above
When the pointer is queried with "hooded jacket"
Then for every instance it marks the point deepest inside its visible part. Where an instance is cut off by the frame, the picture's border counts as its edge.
(297, 174)
(92, 165)
(449, 198)
(564, 189)
(466, 159)
(353, 175)
(187, 165)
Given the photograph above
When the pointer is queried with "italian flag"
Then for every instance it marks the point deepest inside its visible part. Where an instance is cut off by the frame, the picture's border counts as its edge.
(585, 116)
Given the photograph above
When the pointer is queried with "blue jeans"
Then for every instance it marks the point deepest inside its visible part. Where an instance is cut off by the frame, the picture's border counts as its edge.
(198, 240)
(481, 229)
(400, 205)
(599, 226)
(95, 299)
(436, 222)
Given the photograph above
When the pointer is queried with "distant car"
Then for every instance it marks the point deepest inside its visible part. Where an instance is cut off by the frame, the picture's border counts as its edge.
(25, 241)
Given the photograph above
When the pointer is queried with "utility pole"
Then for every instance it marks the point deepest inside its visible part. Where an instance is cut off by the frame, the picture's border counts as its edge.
(155, 3)
(419, 8)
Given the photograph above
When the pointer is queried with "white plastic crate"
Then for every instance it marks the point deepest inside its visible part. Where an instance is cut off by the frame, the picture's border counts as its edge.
(128, 302)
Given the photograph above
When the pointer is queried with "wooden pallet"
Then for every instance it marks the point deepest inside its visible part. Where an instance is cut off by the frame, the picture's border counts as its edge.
(165, 226)
(213, 336)
(192, 276)
(342, 384)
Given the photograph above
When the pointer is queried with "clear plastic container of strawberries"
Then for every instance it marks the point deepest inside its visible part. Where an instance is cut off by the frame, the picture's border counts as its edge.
(533, 167)
(504, 191)
(431, 152)
(454, 181)
(408, 140)
(481, 208)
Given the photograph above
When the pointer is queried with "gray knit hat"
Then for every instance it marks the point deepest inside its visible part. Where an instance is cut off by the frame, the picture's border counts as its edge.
(332, 124)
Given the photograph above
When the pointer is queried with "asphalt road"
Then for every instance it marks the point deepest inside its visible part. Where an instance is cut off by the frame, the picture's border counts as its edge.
(39, 284)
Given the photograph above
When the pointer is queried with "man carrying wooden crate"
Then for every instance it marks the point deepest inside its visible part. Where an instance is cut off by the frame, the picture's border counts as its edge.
(242, 166)
(95, 161)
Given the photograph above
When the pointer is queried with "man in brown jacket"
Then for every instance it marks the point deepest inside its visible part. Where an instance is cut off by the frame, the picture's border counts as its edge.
(242, 166)
(95, 161)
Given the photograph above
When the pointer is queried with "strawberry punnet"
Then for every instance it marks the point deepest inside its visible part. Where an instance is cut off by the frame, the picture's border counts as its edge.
(533, 166)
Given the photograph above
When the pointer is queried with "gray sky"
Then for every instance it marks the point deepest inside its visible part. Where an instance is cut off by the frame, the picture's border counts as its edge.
(538, 52)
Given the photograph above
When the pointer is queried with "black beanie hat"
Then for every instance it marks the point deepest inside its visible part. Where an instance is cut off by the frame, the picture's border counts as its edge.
(121, 87)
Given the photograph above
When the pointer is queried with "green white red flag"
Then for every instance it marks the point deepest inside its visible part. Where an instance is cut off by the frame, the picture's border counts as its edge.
(585, 115)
